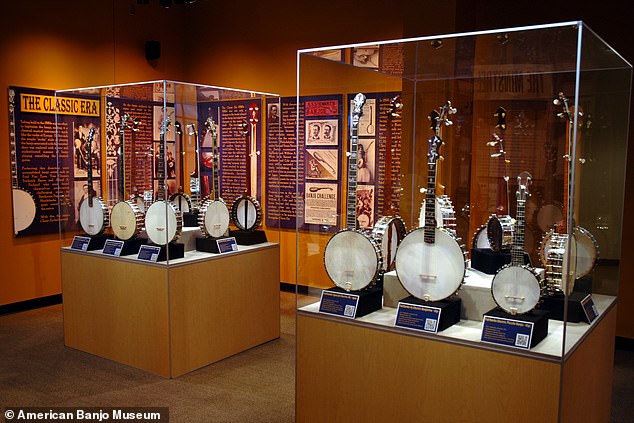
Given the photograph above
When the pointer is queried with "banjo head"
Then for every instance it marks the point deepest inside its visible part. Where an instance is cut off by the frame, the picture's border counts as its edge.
(388, 232)
(430, 272)
(126, 220)
(93, 219)
(24, 209)
(214, 218)
(352, 260)
(163, 223)
(251, 218)
(516, 289)
(480, 238)
(500, 230)
(587, 252)
(181, 202)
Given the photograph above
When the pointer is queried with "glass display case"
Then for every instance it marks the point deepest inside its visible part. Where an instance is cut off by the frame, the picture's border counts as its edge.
(163, 194)
(474, 196)
(170, 165)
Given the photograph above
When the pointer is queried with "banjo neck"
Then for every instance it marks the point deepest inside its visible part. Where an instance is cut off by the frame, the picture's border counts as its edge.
(124, 120)
(91, 134)
(567, 113)
(252, 180)
(503, 205)
(351, 202)
(160, 172)
(245, 130)
(388, 205)
(181, 153)
(194, 177)
(215, 180)
(435, 142)
(517, 252)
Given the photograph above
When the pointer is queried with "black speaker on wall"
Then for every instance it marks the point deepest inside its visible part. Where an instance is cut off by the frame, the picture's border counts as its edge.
(152, 50)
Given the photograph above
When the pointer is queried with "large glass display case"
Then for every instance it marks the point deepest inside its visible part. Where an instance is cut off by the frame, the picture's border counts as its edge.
(474, 195)
(168, 231)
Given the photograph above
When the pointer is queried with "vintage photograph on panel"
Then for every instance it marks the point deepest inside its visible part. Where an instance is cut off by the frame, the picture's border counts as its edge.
(322, 132)
(336, 55)
(273, 114)
(366, 161)
(367, 121)
(366, 57)
(81, 151)
(320, 204)
(321, 164)
(365, 206)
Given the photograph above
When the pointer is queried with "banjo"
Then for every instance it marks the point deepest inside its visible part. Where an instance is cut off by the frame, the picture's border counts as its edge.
(390, 229)
(24, 208)
(500, 225)
(214, 215)
(516, 288)
(246, 212)
(194, 177)
(556, 244)
(181, 201)
(126, 218)
(353, 259)
(430, 261)
(93, 212)
(163, 223)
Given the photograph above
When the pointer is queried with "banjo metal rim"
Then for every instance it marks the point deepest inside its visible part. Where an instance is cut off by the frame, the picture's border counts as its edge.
(500, 230)
(258, 213)
(186, 199)
(380, 230)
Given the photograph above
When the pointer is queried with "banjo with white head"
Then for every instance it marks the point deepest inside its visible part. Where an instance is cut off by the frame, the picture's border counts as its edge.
(93, 212)
(126, 218)
(562, 255)
(430, 262)
(194, 177)
(516, 288)
(390, 229)
(24, 208)
(214, 214)
(500, 225)
(163, 223)
(246, 211)
(181, 201)
(353, 259)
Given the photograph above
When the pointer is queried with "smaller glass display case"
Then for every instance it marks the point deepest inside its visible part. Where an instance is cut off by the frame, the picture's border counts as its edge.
(166, 168)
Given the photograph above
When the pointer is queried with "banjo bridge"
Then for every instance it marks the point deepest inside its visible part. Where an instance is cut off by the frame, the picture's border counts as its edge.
(160, 229)
(427, 278)
(123, 227)
(514, 298)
